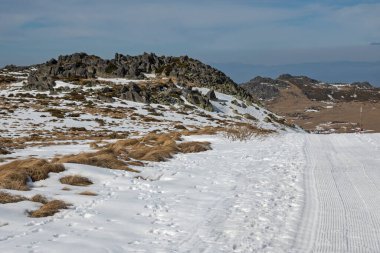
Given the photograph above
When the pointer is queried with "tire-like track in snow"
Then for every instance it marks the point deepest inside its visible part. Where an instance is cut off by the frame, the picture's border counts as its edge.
(342, 196)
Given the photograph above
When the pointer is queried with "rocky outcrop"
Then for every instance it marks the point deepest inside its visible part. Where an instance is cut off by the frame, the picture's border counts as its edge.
(196, 98)
(133, 92)
(362, 85)
(183, 69)
(264, 88)
(211, 95)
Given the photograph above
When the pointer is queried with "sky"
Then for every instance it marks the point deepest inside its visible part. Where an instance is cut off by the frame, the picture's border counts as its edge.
(259, 32)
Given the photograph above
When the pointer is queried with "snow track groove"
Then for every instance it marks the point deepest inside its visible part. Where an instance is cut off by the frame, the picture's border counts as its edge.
(347, 200)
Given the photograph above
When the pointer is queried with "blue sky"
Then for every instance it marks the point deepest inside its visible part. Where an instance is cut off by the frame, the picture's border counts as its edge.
(267, 32)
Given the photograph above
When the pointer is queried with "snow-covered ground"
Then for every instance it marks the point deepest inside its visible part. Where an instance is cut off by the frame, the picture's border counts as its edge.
(342, 186)
(286, 192)
(283, 193)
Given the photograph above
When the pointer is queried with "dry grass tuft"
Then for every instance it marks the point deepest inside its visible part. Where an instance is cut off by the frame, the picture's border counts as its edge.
(104, 158)
(15, 175)
(75, 180)
(194, 146)
(204, 131)
(49, 209)
(244, 132)
(136, 163)
(88, 193)
(39, 198)
(156, 153)
(6, 198)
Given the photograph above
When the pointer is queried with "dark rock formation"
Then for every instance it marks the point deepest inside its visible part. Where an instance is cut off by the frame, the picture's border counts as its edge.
(211, 95)
(264, 87)
(133, 92)
(183, 69)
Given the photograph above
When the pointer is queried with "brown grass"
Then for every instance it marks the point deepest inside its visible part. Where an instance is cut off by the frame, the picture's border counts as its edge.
(244, 132)
(49, 209)
(194, 146)
(39, 198)
(204, 131)
(75, 180)
(6, 198)
(88, 193)
(104, 158)
(15, 175)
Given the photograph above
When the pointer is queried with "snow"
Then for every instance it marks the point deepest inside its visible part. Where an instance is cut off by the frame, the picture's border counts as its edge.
(246, 201)
(118, 80)
(61, 84)
(289, 192)
(151, 75)
(342, 179)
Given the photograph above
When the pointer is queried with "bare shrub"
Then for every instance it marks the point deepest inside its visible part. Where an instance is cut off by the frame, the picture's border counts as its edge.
(244, 132)
(75, 180)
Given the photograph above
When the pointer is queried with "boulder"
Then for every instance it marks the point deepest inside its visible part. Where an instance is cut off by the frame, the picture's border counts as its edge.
(211, 95)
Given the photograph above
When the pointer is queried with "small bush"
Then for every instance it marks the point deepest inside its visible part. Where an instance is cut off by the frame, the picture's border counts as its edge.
(75, 180)
(244, 132)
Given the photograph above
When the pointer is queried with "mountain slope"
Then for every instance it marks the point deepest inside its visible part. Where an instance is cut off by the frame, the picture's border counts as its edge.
(319, 106)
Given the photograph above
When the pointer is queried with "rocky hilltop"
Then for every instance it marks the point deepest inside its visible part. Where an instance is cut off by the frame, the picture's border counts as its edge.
(319, 106)
(182, 69)
(265, 88)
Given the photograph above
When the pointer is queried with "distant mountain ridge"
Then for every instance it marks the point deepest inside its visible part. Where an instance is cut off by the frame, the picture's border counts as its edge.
(265, 88)
(343, 71)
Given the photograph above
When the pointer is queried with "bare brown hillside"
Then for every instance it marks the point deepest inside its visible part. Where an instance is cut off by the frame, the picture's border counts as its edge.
(321, 107)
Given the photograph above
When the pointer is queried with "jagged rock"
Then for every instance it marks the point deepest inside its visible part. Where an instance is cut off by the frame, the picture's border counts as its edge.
(211, 95)
(265, 87)
(134, 93)
(196, 98)
(105, 99)
(40, 83)
(183, 68)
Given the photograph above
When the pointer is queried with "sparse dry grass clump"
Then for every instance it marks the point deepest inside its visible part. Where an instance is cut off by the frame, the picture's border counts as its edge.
(204, 131)
(88, 193)
(15, 175)
(49, 209)
(104, 158)
(194, 146)
(152, 147)
(6, 198)
(39, 199)
(76, 180)
(244, 132)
